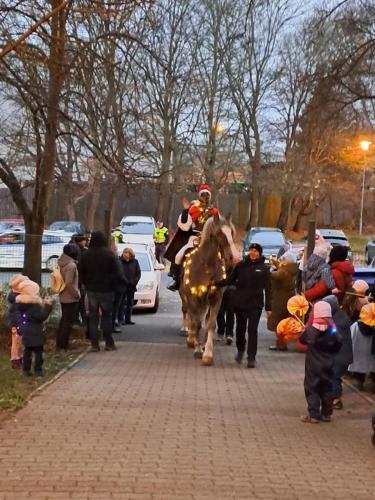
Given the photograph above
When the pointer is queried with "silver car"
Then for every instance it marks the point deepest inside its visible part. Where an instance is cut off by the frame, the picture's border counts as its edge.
(12, 249)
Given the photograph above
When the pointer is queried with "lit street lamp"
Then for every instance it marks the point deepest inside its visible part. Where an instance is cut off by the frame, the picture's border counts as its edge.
(364, 145)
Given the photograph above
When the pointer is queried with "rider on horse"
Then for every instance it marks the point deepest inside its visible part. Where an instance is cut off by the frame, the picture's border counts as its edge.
(190, 224)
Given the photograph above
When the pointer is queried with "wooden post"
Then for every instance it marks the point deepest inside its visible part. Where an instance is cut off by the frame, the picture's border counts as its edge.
(310, 237)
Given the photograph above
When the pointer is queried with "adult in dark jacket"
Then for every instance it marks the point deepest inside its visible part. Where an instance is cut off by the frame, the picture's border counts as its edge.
(132, 273)
(342, 270)
(251, 278)
(69, 297)
(30, 311)
(344, 357)
(323, 342)
(283, 287)
(99, 270)
(81, 241)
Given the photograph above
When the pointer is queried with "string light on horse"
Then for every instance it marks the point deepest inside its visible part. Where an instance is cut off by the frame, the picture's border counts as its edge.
(200, 290)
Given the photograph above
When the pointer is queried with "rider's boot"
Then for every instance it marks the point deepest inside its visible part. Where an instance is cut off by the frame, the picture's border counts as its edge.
(174, 287)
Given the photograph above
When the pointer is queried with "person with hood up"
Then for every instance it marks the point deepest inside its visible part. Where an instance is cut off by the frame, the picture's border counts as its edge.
(363, 337)
(323, 342)
(100, 272)
(16, 352)
(344, 357)
(251, 277)
(317, 276)
(132, 272)
(283, 286)
(342, 270)
(70, 296)
(30, 312)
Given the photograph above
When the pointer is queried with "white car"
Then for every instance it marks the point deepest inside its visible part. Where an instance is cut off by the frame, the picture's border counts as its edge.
(138, 229)
(12, 249)
(148, 288)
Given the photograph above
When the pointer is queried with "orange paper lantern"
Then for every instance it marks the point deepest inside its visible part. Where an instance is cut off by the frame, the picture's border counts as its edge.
(298, 305)
(367, 315)
(289, 329)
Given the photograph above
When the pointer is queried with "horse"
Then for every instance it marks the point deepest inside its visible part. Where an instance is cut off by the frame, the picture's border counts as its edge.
(201, 298)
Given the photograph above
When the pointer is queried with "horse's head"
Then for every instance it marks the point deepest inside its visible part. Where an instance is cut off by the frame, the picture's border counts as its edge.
(222, 230)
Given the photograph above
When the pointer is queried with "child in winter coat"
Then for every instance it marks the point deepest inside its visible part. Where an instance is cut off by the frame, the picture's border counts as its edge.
(323, 342)
(16, 353)
(29, 313)
(344, 356)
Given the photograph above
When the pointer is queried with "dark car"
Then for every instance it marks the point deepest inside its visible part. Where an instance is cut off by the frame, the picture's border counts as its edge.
(336, 237)
(370, 251)
(366, 274)
(272, 240)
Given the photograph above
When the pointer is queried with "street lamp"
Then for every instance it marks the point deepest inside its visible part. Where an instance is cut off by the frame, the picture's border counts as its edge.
(364, 145)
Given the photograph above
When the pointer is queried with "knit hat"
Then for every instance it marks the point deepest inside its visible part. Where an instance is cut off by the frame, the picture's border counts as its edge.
(322, 310)
(338, 253)
(71, 250)
(360, 286)
(333, 302)
(28, 287)
(204, 188)
(257, 247)
(16, 281)
(289, 257)
(321, 251)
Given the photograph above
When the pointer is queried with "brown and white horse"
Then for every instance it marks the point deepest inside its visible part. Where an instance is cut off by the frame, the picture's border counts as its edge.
(201, 299)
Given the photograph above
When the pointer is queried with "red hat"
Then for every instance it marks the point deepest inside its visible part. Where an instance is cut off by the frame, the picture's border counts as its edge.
(204, 188)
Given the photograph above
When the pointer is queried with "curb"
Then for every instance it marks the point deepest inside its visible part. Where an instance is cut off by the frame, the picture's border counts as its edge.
(359, 393)
(57, 376)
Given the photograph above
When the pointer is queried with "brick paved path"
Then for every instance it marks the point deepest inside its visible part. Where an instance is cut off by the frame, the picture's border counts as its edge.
(148, 421)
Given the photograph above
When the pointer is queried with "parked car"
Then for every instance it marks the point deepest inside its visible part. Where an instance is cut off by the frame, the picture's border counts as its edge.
(11, 225)
(148, 288)
(370, 251)
(272, 240)
(336, 237)
(66, 228)
(138, 229)
(365, 273)
(12, 249)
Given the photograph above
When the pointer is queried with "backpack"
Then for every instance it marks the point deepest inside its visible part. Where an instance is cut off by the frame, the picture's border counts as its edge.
(57, 281)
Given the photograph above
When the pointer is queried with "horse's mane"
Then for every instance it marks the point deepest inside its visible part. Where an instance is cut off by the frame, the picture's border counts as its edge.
(210, 228)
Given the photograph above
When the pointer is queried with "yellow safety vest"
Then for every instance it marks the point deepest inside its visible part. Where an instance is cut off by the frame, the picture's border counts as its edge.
(159, 234)
(117, 235)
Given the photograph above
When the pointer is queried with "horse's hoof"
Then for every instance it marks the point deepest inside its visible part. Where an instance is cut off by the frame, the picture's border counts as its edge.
(207, 360)
(197, 355)
(190, 343)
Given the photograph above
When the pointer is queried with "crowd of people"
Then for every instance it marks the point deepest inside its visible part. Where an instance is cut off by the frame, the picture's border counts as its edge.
(97, 288)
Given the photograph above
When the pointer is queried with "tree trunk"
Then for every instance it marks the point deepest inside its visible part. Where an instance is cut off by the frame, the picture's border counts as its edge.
(92, 206)
(34, 225)
(283, 220)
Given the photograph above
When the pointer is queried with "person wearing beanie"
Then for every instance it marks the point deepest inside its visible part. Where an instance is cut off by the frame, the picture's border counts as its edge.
(29, 314)
(69, 297)
(283, 285)
(100, 272)
(342, 270)
(363, 335)
(251, 279)
(323, 342)
(316, 276)
(344, 356)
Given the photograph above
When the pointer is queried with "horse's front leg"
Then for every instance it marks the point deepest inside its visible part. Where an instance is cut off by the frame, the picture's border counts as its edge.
(208, 357)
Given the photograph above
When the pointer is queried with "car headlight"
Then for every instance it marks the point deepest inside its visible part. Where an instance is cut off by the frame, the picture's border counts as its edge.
(147, 286)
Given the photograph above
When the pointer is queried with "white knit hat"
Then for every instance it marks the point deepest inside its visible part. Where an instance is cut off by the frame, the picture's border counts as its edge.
(28, 287)
(289, 257)
(16, 281)
(322, 310)
(322, 251)
(360, 286)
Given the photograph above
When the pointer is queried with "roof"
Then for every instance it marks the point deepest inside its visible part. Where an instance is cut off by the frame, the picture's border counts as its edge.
(137, 218)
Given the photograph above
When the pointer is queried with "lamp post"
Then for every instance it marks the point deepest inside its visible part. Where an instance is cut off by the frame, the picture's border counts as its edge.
(364, 145)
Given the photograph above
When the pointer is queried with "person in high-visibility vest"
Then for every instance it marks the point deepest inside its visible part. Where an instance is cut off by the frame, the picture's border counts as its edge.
(117, 235)
(161, 238)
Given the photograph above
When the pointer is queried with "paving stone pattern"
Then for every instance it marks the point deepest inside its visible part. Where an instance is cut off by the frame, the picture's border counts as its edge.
(149, 422)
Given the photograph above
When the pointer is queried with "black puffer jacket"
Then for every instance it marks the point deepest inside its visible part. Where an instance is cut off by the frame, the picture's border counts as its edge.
(252, 282)
(29, 314)
(99, 270)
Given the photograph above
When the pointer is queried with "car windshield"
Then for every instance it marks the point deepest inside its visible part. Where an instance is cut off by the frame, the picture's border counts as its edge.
(144, 261)
(138, 228)
(64, 226)
(266, 238)
(11, 239)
